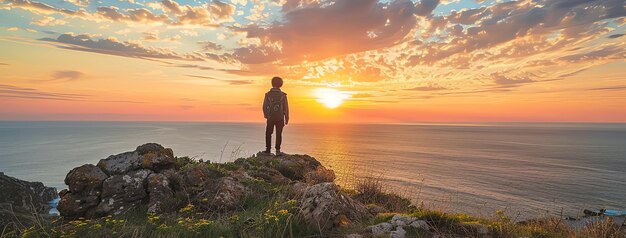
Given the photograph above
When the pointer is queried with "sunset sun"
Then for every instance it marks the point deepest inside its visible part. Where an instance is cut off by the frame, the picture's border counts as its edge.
(330, 98)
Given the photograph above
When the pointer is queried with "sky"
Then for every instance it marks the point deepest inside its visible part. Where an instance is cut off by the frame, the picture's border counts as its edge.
(345, 61)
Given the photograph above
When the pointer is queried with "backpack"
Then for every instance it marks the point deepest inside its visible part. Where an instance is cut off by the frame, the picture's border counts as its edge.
(276, 102)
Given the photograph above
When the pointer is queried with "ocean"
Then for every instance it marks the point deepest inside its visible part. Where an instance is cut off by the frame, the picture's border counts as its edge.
(523, 169)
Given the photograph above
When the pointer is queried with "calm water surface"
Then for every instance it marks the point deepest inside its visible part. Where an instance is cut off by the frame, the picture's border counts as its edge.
(531, 169)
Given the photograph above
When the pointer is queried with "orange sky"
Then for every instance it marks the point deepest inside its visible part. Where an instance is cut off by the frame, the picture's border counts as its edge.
(390, 61)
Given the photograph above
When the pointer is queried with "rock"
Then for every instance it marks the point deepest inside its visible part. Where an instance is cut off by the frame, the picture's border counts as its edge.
(74, 205)
(149, 148)
(196, 178)
(298, 189)
(324, 206)
(398, 233)
(229, 193)
(85, 186)
(148, 156)
(122, 192)
(420, 224)
(160, 193)
(295, 167)
(399, 220)
(155, 157)
(19, 199)
(381, 228)
(270, 175)
(120, 163)
(85, 179)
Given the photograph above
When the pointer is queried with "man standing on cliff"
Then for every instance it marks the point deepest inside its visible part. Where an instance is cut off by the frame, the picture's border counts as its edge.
(276, 111)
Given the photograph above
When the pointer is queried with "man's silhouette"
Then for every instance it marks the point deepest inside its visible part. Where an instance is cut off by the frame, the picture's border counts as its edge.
(276, 111)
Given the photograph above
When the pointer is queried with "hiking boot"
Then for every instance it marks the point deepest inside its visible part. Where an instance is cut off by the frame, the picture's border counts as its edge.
(278, 152)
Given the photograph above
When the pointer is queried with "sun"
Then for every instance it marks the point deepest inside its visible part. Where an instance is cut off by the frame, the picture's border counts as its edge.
(331, 98)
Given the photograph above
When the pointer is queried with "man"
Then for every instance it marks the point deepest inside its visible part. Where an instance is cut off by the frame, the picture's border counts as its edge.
(276, 111)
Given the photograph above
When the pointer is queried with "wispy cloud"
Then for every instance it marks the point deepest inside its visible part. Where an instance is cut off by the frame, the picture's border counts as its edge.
(66, 75)
(9, 91)
(231, 82)
(430, 87)
(613, 88)
(113, 46)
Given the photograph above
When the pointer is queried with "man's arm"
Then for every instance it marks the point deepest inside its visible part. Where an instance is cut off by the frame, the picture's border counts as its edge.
(286, 110)
(265, 106)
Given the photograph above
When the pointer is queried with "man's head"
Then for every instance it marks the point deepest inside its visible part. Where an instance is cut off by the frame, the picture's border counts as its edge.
(277, 82)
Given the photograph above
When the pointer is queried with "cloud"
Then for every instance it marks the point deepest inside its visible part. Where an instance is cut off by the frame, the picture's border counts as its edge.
(4, 64)
(614, 36)
(315, 33)
(607, 52)
(613, 88)
(10, 91)
(502, 79)
(113, 46)
(231, 82)
(208, 14)
(430, 87)
(66, 75)
(150, 36)
(573, 73)
(48, 21)
(507, 22)
(210, 46)
(425, 7)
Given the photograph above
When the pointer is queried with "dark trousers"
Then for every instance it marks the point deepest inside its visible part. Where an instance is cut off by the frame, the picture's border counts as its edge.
(269, 129)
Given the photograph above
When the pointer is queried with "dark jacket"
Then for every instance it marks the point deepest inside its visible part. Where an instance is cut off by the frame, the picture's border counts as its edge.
(266, 104)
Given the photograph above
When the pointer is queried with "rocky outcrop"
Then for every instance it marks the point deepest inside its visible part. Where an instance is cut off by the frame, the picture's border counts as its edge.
(148, 156)
(296, 166)
(118, 183)
(19, 199)
(152, 177)
(325, 206)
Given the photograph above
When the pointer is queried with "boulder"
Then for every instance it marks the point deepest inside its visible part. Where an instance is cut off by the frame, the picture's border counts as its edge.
(227, 194)
(85, 186)
(270, 175)
(325, 206)
(155, 157)
(148, 148)
(197, 178)
(160, 193)
(74, 205)
(381, 229)
(85, 179)
(122, 192)
(148, 156)
(298, 189)
(295, 167)
(420, 224)
(19, 197)
(120, 163)
(399, 220)
(398, 233)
